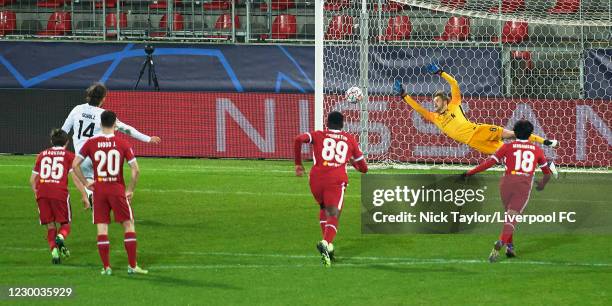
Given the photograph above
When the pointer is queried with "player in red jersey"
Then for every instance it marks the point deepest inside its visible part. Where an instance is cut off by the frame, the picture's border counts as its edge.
(108, 154)
(49, 182)
(521, 158)
(332, 150)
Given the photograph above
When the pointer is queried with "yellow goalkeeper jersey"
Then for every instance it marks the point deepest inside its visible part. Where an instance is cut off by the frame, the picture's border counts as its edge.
(452, 122)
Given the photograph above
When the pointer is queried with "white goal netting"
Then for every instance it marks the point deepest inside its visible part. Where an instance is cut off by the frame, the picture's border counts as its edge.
(546, 61)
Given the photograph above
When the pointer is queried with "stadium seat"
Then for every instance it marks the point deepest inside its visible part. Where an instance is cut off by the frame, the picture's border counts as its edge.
(277, 5)
(340, 27)
(508, 6)
(8, 22)
(524, 56)
(513, 32)
(109, 3)
(177, 25)
(6, 2)
(336, 5)
(390, 6)
(111, 23)
(60, 23)
(457, 28)
(50, 3)
(454, 3)
(565, 7)
(162, 4)
(217, 5)
(224, 22)
(284, 27)
(398, 28)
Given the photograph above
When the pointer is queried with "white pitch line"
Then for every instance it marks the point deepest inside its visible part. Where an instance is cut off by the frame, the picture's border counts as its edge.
(367, 260)
(287, 194)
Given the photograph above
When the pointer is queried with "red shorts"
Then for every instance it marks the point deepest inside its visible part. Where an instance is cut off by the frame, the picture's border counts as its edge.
(104, 203)
(515, 191)
(328, 194)
(52, 210)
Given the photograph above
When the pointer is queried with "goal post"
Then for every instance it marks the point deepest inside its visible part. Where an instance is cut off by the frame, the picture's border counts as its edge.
(546, 61)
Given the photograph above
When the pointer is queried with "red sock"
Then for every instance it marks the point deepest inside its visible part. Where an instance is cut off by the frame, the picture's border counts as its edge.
(65, 230)
(322, 221)
(104, 250)
(130, 247)
(330, 229)
(51, 232)
(507, 231)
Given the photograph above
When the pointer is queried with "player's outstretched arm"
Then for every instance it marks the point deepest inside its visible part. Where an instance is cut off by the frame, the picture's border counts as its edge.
(33, 179)
(455, 91)
(131, 131)
(135, 171)
(81, 188)
(297, 151)
(398, 88)
(360, 164)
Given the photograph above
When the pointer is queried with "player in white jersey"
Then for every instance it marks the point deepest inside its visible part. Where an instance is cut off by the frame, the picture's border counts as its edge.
(84, 119)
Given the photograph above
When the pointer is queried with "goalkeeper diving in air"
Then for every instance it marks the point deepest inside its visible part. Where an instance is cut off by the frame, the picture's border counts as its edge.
(448, 116)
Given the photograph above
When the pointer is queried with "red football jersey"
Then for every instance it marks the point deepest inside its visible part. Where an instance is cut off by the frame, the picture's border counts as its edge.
(332, 150)
(521, 157)
(108, 153)
(52, 166)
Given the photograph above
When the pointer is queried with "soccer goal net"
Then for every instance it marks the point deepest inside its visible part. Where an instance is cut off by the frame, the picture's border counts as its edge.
(546, 61)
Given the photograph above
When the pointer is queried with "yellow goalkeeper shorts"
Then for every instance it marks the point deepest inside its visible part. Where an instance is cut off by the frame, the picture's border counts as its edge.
(487, 138)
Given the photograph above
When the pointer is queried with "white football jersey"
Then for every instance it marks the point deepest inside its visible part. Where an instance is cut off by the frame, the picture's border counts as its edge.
(84, 119)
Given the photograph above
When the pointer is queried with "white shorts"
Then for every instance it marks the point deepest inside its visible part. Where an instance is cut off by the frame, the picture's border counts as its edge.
(87, 168)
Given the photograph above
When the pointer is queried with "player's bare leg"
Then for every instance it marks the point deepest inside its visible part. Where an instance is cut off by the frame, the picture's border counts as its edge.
(130, 247)
(104, 248)
(507, 134)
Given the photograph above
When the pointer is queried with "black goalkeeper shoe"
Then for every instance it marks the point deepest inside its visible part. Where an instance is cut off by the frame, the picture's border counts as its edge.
(510, 251)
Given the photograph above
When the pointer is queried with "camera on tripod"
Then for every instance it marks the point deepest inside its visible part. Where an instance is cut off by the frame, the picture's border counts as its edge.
(148, 63)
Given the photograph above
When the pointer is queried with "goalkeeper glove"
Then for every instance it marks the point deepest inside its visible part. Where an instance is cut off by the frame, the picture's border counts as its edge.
(434, 68)
(398, 88)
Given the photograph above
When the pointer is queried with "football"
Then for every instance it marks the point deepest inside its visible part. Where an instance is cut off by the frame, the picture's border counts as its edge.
(354, 94)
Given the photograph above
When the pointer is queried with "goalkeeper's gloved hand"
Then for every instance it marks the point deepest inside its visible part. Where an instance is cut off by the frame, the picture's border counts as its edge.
(398, 88)
(434, 68)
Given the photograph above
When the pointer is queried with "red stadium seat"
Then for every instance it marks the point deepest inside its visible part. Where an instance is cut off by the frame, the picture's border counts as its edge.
(50, 3)
(390, 6)
(162, 4)
(8, 22)
(278, 5)
(457, 28)
(336, 5)
(509, 6)
(454, 3)
(398, 28)
(224, 22)
(565, 7)
(217, 5)
(513, 32)
(60, 23)
(6, 2)
(111, 23)
(109, 3)
(340, 27)
(284, 27)
(524, 56)
(177, 25)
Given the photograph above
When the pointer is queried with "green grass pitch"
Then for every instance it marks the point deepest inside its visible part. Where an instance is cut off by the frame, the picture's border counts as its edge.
(244, 232)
